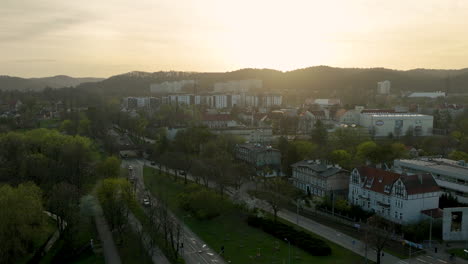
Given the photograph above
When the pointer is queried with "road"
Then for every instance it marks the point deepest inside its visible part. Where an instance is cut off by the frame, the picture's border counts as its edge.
(324, 231)
(195, 250)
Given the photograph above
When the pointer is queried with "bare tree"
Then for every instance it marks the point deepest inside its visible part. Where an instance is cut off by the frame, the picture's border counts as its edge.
(378, 233)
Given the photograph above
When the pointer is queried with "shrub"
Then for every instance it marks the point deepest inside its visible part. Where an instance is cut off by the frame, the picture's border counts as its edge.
(203, 204)
(301, 239)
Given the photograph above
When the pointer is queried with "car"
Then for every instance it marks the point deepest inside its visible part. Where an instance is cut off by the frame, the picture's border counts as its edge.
(182, 173)
(153, 163)
(146, 202)
(130, 167)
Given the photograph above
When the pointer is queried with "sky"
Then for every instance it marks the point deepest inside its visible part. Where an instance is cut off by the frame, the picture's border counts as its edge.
(100, 38)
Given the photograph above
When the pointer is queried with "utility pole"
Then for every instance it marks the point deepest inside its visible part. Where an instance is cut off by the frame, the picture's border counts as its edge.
(430, 232)
(297, 212)
(333, 203)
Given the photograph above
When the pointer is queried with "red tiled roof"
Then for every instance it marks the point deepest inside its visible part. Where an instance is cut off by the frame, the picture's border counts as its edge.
(434, 213)
(414, 184)
(421, 183)
(379, 178)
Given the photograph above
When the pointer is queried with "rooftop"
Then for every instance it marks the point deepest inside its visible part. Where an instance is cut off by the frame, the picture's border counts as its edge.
(325, 170)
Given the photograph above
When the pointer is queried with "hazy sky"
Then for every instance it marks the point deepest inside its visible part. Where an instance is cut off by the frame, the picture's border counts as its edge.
(105, 37)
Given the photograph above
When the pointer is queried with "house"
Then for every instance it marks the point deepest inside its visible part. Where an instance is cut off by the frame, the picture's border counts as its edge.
(218, 120)
(262, 135)
(400, 198)
(265, 159)
(450, 175)
(320, 178)
(308, 119)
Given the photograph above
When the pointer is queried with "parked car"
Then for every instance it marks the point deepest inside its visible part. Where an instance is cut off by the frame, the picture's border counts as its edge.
(182, 173)
(153, 163)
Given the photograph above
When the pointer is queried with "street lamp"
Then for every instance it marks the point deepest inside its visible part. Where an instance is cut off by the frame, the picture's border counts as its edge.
(289, 251)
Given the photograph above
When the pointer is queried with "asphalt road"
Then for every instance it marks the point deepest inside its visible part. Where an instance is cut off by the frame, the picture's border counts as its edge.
(195, 250)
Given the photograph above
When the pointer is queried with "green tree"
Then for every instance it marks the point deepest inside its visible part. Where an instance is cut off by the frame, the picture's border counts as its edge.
(110, 167)
(459, 155)
(319, 134)
(21, 220)
(68, 127)
(342, 158)
(115, 196)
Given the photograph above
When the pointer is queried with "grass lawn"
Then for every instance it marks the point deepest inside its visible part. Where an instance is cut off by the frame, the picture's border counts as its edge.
(49, 123)
(459, 253)
(243, 244)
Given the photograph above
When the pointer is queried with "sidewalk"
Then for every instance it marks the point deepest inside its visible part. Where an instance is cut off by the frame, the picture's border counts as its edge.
(111, 254)
(156, 255)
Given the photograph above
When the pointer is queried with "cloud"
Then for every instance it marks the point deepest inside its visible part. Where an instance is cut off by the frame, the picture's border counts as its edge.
(33, 61)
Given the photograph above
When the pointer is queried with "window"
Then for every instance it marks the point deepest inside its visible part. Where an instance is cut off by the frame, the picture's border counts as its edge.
(401, 216)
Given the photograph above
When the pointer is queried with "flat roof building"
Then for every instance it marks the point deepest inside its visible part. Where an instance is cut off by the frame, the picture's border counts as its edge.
(450, 175)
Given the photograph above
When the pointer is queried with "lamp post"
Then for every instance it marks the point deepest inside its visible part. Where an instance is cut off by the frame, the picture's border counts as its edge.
(289, 251)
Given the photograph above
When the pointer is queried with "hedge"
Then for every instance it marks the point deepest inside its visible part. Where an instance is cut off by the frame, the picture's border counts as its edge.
(301, 239)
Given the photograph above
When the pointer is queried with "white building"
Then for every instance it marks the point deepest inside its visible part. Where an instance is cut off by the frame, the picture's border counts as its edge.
(319, 178)
(397, 124)
(397, 197)
(180, 99)
(269, 100)
(327, 103)
(427, 95)
(137, 102)
(262, 135)
(455, 224)
(171, 87)
(238, 86)
(450, 175)
(383, 87)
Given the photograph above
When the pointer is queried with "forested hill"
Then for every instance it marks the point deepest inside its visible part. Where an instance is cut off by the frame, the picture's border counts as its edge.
(322, 80)
(36, 84)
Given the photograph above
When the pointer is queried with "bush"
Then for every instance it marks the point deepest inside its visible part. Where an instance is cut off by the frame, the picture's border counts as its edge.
(203, 204)
(301, 239)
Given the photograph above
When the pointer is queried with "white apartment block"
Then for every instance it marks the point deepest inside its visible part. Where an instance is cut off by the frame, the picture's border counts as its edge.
(450, 175)
(269, 100)
(238, 86)
(383, 87)
(397, 124)
(171, 87)
(400, 198)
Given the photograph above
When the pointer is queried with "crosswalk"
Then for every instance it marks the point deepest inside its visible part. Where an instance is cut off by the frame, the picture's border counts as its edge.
(426, 259)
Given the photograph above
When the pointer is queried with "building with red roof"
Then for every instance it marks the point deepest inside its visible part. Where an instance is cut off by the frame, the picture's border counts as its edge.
(400, 198)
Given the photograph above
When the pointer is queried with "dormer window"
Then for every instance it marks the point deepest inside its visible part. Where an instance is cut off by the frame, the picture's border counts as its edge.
(387, 188)
(369, 182)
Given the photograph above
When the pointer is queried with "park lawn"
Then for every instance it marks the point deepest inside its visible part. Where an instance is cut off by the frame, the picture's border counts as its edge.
(242, 243)
(458, 252)
(49, 123)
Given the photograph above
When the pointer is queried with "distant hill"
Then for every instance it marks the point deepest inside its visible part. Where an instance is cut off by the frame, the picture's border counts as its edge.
(318, 81)
(35, 84)
(321, 81)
